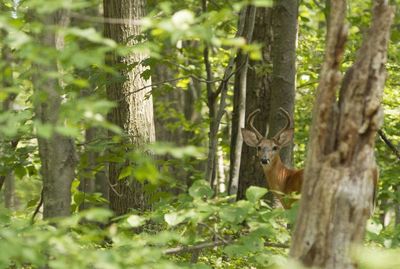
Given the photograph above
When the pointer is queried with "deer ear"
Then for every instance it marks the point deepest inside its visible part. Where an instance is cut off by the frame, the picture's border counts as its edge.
(249, 137)
(285, 137)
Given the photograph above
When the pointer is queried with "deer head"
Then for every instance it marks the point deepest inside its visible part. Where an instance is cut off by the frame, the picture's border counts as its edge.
(267, 149)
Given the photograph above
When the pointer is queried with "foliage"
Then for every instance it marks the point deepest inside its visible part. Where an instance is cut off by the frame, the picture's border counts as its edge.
(186, 212)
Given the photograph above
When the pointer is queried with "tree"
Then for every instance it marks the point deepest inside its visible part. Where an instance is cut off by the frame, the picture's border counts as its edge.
(271, 82)
(247, 18)
(134, 111)
(57, 152)
(340, 169)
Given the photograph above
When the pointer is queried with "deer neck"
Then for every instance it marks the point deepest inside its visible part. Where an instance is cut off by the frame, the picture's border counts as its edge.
(276, 174)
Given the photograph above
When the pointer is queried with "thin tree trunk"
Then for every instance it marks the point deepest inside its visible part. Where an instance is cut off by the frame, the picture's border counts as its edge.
(57, 153)
(10, 201)
(340, 169)
(134, 113)
(247, 17)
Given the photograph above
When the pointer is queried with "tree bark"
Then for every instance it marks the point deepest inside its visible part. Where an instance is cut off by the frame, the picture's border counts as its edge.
(340, 168)
(276, 30)
(134, 111)
(57, 153)
(283, 82)
(239, 99)
(257, 96)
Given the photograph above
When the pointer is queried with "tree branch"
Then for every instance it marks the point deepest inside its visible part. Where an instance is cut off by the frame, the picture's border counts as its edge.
(389, 143)
(218, 243)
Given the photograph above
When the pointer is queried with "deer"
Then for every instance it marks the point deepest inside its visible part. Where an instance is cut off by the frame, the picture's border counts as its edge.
(281, 180)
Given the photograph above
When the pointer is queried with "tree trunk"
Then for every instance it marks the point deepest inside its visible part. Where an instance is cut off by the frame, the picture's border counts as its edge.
(340, 168)
(247, 17)
(283, 83)
(57, 153)
(10, 201)
(276, 29)
(257, 95)
(134, 111)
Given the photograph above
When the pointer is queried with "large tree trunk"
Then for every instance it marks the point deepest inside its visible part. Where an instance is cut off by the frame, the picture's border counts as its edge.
(283, 84)
(134, 113)
(257, 95)
(276, 30)
(340, 169)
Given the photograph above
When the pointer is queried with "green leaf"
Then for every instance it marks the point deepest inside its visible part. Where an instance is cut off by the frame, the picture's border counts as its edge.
(254, 193)
(201, 189)
(20, 171)
(135, 221)
(262, 3)
(236, 213)
(125, 172)
(173, 218)
(44, 130)
(68, 131)
(98, 214)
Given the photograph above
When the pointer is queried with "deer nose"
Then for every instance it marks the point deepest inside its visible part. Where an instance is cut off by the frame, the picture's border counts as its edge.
(264, 160)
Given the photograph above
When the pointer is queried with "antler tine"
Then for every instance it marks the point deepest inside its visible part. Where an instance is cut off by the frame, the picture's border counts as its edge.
(266, 131)
(250, 121)
(288, 122)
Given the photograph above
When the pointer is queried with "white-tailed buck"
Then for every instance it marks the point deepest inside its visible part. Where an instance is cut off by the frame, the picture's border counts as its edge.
(280, 179)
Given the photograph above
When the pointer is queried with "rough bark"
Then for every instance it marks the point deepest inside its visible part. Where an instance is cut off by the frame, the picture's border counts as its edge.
(239, 100)
(271, 83)
(340, 168)
(257, 96)
(57, 153)
(134, 111)
(283, 82)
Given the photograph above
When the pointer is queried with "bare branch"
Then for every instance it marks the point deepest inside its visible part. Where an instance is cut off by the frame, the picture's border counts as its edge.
(183, 249)
(389, 143)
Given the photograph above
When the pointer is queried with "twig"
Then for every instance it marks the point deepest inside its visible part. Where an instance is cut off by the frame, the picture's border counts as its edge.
(151, 85)
(389, 143)
(37, 207)
(113, 189)
(183, 249)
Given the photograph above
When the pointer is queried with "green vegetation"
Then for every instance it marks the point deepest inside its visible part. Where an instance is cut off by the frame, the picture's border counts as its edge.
(186, 214)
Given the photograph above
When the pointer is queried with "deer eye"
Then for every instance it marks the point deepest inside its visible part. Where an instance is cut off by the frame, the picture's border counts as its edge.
(275, 148)
(258, 148)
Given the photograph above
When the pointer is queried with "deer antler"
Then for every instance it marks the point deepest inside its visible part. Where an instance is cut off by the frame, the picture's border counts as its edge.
(250, 121)
(288, 122)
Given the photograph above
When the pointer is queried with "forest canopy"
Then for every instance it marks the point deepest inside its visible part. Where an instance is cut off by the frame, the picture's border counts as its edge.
(123, 137)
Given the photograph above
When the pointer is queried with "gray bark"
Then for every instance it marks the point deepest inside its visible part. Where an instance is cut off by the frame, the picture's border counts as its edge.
(257, 95)
(57, 153)
(341, 172)
(283, 83)
(271, 83)
(247, 17)
(134, 113)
